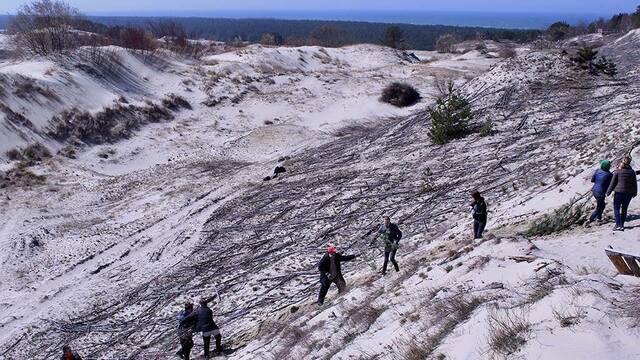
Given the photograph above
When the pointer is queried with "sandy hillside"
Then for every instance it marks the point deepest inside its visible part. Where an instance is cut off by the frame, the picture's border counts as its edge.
(101, 247)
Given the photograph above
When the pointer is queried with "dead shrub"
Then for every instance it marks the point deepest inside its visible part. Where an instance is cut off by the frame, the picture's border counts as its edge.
(20, 177)
(449, 313)
(111, 124)
(508, 331)
(400, 95)
(628, 307)
(507, 53)
(568, 318)
(26, 88)
(16, 118)
(30, 155)
(175, 102)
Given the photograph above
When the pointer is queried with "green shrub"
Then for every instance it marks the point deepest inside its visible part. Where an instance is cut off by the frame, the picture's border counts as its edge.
(450, 117)
(561, 219)
(587, 59)
(486, 129)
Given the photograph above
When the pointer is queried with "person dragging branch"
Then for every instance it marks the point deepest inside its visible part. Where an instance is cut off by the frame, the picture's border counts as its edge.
(331, 272)
(391, 235)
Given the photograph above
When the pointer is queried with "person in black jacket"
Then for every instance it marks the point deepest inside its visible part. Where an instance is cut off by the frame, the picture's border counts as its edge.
(624, 185)
(186, 330)
(205, 324)
(391, 235)
(331, 272)
(68, 354)
(479, 212)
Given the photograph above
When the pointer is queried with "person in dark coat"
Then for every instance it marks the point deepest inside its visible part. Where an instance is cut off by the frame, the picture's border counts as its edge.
(186, 330)
(624, 186)
(601, 180)
(204, 323)
(331, 272)
(68, 354)
(391, 235)
(479, 213)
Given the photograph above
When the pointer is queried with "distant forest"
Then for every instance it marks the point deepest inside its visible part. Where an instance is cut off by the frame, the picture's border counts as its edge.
(419, 37)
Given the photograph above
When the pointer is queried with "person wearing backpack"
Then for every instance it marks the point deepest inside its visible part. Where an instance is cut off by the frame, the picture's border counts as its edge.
(479, 213)
(391, 235)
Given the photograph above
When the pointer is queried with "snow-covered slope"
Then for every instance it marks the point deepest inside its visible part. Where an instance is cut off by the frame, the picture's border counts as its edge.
(104, 252)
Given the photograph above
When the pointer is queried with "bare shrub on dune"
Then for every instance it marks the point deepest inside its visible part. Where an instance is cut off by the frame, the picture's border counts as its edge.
(508, 331)
(43, 27)
(110, 124)
(628, 307)
(400, 95)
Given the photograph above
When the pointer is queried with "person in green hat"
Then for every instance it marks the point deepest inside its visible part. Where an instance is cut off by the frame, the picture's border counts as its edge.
(601, 180)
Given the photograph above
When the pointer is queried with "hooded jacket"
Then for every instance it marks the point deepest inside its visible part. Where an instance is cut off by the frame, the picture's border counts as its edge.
(187, 327)
(480, 210)
(624, 181)
(601, 180)
(203, 317)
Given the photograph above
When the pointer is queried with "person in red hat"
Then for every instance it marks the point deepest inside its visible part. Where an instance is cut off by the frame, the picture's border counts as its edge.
(331, 272)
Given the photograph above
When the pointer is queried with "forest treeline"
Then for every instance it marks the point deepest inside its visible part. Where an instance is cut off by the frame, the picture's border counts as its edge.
(298, 32)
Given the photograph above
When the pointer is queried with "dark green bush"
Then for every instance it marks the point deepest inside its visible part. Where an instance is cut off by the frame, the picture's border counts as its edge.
(450, 117)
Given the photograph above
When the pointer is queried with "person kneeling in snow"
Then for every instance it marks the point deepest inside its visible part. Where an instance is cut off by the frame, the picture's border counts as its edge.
(205, 324)
(391, 235)
(479, 213)
(330, 272)
(68, 354)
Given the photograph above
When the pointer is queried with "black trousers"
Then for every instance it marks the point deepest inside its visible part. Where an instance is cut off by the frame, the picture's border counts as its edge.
(325, 284)
(207, 344)
(390, 255)
(600, 205)
(478, 229)
(186, 344)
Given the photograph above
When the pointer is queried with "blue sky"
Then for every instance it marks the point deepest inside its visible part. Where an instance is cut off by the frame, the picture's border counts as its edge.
(538, 6)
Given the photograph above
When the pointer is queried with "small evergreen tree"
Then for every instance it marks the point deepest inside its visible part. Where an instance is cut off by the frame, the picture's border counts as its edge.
(587, 59)
(450, 117)
(585, 55)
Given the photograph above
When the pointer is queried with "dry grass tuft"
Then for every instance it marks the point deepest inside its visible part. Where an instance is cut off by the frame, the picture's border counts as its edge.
(508, 331)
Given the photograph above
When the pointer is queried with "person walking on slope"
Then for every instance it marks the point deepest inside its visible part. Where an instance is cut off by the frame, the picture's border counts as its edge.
(68, 354)
(331, 272)
(185, 331)
(625, 187)
(479, 213)
(601, 180)
(391, 235)
(205, 324)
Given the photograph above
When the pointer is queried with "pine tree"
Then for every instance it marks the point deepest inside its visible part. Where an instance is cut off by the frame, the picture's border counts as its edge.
(450, 117)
